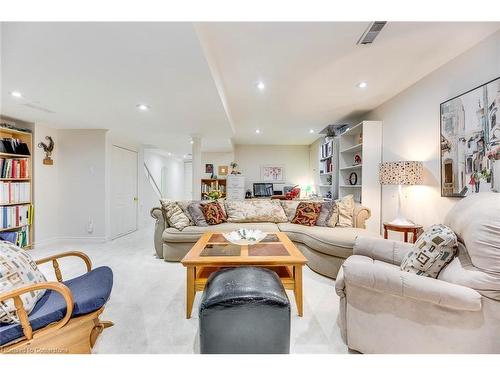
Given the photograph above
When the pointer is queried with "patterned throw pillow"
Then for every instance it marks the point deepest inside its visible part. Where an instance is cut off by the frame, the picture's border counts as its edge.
(324, 214)
(346, 211)
(333, 219)
(196, 213)
(290, 207)
(255, 211)
(174, 215)
(307, 213)
(213, 213)
(17, 269)
(434, 249)
(183, 205)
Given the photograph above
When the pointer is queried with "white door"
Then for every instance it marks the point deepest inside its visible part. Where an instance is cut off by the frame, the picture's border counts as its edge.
(123, 191)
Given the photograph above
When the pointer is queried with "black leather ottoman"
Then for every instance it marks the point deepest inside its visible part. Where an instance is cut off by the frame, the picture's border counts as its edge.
(244, 310)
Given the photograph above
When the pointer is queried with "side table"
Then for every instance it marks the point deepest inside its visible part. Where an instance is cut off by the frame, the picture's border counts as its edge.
(414, 229)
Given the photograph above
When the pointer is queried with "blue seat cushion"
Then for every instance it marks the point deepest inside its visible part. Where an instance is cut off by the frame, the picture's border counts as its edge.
(90, 292)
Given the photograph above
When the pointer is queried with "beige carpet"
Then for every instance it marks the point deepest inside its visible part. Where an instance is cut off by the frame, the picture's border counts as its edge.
(147, 304)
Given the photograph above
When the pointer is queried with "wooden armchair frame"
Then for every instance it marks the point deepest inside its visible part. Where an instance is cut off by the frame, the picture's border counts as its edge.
(68, 335)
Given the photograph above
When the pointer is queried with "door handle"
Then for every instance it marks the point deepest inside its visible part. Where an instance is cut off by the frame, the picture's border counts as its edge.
(136, 199)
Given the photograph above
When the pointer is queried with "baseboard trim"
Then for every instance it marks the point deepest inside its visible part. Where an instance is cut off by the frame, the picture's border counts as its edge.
(62, 240)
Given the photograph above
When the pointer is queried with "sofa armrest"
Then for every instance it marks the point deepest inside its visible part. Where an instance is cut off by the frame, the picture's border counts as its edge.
(388, 251)
(364, 272)
(360, 215)
(160, 225)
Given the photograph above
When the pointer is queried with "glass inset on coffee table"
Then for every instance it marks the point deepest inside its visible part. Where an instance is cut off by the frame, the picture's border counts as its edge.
(212, 252)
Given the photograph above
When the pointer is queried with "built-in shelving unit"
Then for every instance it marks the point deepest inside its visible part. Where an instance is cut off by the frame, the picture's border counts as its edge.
(16, 188)
(327, 188)
(208, 185)
(359, 158)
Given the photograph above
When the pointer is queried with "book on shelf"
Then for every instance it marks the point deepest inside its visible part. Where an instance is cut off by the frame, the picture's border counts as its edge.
(325, 166)
(15, 216)
(10, 145)
(14, 168)
(326, 150)
(14, 192)
(20, 237)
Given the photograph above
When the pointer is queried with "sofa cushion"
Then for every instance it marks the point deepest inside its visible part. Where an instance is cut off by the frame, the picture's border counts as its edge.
(290, 207)
(17, 269)
(213, 213)
(434, 249)
(345, 208)
(194, 209)
(307, 213)
(90, 292)
(255, 211)
(336, 241)
(193, 233)
(183, 205)
(174, 215)
(325, 213)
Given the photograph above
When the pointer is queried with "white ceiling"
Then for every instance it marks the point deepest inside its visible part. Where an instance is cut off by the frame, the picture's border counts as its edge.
(201, 79)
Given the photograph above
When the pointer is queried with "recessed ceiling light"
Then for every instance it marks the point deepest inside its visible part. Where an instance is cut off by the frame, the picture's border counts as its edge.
(257, 131)
(16, 94)
(169, 154)
(261, 86)
(143, 107)
(362, 85)
(191, 141)
(311, 131)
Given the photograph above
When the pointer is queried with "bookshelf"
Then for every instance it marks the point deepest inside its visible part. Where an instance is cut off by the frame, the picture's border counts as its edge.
(327, 170)
(360, 153)
(16, 188)
(208, 185)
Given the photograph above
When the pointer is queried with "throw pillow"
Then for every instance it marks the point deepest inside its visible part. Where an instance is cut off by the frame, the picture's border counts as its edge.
(196, 213)
(346, 211)
(174, 215)
(17, 269)
(290, 207)
(333, 219)
(213, 213)
(222, 205)
(307, 213)
(255, 211)
(434, 249)
(183, 206)
(324, 214)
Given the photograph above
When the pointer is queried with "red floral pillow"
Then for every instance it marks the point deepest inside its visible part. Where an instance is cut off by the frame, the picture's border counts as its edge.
(307, 213)
(213, 213)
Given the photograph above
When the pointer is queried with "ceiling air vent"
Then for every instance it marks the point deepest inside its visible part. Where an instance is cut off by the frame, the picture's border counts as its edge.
(371, 32)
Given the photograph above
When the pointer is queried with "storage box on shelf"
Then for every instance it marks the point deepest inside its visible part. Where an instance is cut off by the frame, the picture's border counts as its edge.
(359, 158)
(16, 209)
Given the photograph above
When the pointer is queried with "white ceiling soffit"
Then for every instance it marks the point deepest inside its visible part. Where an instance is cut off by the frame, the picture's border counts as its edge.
(201, 79)
(92, 75)
(311, 70)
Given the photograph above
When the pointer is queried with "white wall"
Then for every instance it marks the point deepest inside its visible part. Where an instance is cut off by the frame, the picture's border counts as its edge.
(46, 187)
(295, 159)
(82, 184)
(411, 127)
(217, 159)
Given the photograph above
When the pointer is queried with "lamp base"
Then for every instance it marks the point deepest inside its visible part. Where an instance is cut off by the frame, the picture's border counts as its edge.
(401, 221)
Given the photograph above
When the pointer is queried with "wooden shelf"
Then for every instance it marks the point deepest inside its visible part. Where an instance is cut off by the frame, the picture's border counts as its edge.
(13, 228)
(358, 166)
(355, 148)
(15, 204)
(15, 179)
(14, 156)
(14, 131)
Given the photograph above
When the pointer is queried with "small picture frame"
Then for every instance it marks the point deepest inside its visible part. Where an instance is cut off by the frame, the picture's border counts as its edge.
(209, 168)
(223, 170)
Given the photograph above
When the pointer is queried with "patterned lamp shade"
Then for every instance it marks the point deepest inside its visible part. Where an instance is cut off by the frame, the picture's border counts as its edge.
(401, 173)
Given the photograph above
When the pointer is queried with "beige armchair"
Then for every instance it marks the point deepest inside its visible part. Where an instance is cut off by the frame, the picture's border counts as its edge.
(385, 310)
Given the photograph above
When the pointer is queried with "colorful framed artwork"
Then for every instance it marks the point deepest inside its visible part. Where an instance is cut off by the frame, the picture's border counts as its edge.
(470, 141)
(272, 173)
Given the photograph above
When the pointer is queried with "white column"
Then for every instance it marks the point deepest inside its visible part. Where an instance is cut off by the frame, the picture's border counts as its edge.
(196, 152)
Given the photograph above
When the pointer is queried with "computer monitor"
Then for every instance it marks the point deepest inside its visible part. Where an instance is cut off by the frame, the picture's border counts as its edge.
(262, 189)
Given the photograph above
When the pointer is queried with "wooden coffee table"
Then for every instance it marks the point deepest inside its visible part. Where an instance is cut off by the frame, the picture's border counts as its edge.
(212, 252)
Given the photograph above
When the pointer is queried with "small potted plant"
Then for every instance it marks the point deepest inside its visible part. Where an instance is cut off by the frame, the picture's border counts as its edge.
(214, 195)
(234, 167)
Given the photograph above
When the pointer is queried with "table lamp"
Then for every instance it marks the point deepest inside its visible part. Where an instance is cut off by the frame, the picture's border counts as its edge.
(401, 173)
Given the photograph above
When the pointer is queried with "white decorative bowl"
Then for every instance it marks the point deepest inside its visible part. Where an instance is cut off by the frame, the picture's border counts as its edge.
(245, 236)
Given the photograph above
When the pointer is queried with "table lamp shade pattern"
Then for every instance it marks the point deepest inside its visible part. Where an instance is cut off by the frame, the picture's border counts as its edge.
(401, 173)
